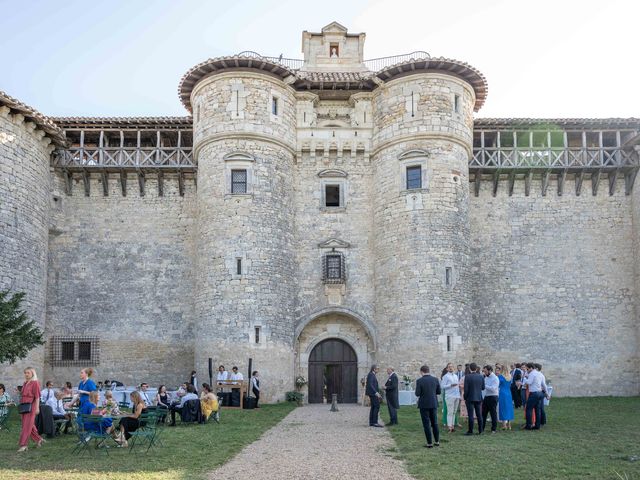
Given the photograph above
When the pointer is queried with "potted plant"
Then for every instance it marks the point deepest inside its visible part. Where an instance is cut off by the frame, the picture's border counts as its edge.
(406, 379)
(295, 397)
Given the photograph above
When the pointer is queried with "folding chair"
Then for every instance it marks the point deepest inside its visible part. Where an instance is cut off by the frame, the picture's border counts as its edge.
(148, 432)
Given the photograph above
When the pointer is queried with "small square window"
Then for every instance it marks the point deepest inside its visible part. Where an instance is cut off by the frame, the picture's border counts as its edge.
(238, 181)
(333, 268)
(84, 350)
(67, 351)
(332, 195)
(274, 106)
(414, 177)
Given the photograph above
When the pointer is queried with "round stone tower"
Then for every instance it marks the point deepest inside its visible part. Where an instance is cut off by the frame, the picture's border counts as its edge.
(422, 142)
(25, 196)
(244, 144)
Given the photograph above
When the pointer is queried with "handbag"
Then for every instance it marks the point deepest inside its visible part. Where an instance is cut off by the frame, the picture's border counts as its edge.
(24, 408)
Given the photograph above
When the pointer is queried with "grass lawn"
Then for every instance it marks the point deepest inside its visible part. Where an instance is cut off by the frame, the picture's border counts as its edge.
(596, 438)
(189, 451)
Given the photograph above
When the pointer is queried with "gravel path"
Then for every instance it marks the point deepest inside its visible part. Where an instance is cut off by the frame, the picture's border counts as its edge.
(313, 443)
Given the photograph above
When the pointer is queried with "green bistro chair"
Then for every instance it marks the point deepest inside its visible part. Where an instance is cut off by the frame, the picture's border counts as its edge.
(148, 433)
(5, 413)
(90, 428)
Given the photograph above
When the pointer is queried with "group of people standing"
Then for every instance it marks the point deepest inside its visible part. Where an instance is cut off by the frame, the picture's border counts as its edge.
(472, 393)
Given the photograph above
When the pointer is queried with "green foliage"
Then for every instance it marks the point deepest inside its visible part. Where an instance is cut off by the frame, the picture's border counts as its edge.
(18, 334)
(294, 397)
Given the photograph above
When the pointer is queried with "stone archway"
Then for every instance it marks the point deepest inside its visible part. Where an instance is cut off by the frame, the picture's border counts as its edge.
(333, 325)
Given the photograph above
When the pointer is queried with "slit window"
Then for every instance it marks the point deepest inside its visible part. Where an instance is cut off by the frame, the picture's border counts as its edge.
(447, 276)
(456, 103)
(332, 195)
(274, 105)
(238, 181)
(414, 177)
(256, 335)
(238, 266)
(449, 343)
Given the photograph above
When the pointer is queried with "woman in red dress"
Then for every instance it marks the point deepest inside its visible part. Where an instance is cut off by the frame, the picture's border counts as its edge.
(30, 394)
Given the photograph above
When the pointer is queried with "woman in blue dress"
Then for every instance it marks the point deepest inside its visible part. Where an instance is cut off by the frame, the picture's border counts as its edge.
(85, 387)
(505, 401)
(90, 407)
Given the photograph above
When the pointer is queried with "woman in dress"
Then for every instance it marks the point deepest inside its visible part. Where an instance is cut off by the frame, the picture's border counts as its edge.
(208, 401)
(85, 387)
(30, 393)
(67, 391)
(162, 398)
(505, 400)
(131, 422)
(445, 370)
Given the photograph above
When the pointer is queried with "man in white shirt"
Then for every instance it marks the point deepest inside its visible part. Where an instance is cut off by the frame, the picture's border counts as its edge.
(533, 380)
(450, 383)
(145, 395)
(190, 395)
(545, 393)
(236, 376)
(490, 401)
(48, 393)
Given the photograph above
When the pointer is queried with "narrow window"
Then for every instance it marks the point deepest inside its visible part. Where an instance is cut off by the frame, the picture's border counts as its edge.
(447, 276)
(332, 195)
(238, 266)
(84, 350)
(333, 268)
(238, 181)
(256, 334)
(456, 103)
(274, 105)
(413, 113)
(67, 351)
(334, 50)
(414, 177)
(449, 343)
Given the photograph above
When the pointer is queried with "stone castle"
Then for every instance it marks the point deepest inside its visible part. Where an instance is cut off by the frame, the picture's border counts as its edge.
(318, 216)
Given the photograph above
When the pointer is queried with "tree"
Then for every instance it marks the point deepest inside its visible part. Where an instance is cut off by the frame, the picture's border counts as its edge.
(18, 334)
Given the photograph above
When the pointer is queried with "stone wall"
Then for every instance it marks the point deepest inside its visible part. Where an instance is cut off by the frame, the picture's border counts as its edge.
(121, 269)
(24, 217)
(554, 283)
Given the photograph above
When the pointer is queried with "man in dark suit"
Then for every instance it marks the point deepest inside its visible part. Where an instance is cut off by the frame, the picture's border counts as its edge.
(427, 391)
(516, 383)
(371, 390)
(473, 387)
(391, 394)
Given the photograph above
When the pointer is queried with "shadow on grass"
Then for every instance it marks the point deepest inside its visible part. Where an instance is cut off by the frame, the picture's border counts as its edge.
(585, 438)
(188, 451)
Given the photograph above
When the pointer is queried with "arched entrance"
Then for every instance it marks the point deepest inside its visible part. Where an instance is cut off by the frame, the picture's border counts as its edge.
(333, 368)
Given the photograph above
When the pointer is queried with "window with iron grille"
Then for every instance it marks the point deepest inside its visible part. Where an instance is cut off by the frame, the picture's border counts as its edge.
(238, 181)
(73, 351)
(333, 268)
(414, 177)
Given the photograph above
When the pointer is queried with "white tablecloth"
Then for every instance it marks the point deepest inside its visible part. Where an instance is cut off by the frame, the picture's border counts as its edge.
(407, 397)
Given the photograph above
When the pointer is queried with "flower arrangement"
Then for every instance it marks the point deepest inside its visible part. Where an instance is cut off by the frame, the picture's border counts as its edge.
(300, 381)
(406, 379)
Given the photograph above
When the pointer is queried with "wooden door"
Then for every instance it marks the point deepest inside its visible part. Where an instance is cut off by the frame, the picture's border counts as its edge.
(333, 368)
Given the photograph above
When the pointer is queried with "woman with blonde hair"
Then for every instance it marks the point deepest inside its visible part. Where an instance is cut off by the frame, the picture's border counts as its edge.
(29, 407)
(85, 387)
(505, 400)
(131, 422)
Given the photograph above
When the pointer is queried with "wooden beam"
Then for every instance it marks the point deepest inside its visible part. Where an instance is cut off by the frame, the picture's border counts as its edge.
(87, 183)
(579, 180)
(545, 182)
(595, 182)
(104, 177)
(68, 182)
(160, 183)
(123, 182)
(181, 183)
(613, 179)
(527, 182)
(496, 181)
(629, 179)
(141, 182)
(562, 176)
(478, 179)
(512, 181)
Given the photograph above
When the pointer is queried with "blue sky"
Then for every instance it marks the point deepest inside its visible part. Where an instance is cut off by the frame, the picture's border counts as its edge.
(125, 58)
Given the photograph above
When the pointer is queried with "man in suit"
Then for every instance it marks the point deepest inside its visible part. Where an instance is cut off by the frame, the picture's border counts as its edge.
(427, 391)
(473, 387)
(391, 394)
(371, 390)
(516, 383)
